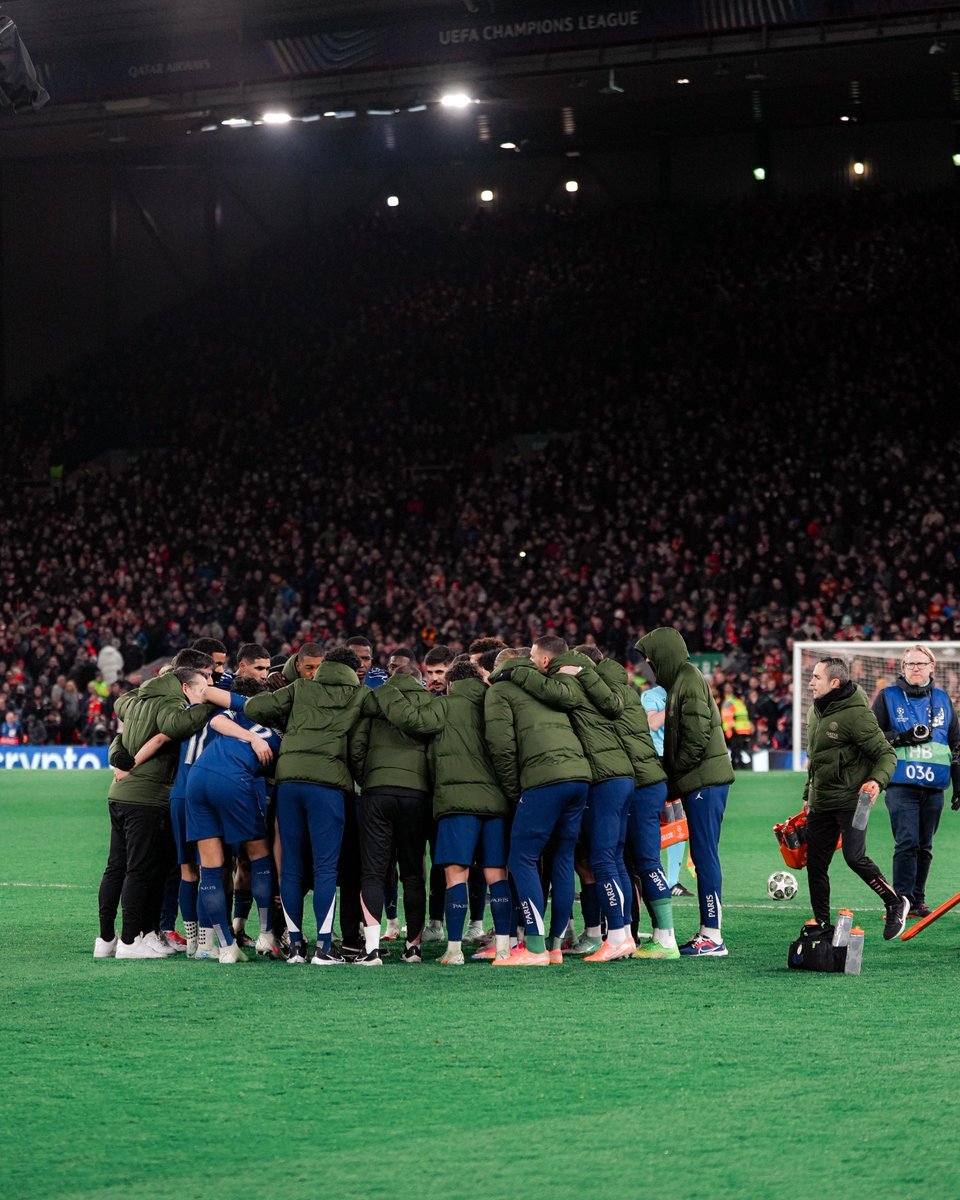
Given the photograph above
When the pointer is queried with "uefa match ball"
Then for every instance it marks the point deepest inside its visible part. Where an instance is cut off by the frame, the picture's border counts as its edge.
(781, 886)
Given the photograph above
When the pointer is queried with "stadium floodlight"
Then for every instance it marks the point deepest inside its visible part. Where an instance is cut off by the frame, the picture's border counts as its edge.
(381, 110)
(683, 79)
(572, 186)
(209, 128)
(344, 114)
(956, 160)
(455, 100)
(759, 174)
(858, 168)
(509, 146)
(872, 665)
(417, 107)
(308, 118)
(237, 123)
(393, 201)
(277, 117)
(486, 195)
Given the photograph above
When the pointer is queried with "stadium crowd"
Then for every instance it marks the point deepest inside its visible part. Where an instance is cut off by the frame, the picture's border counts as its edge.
(735, 421)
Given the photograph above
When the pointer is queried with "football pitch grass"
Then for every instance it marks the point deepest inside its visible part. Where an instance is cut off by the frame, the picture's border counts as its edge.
(694, 1079)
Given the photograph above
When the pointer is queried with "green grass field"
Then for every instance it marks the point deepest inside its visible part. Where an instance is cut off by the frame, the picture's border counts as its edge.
(728, 1078)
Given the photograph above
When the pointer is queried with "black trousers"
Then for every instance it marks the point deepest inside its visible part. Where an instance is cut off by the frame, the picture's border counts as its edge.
(348, 876)
(141, 853)
(437, 894)
(398, 823)
(822, 832)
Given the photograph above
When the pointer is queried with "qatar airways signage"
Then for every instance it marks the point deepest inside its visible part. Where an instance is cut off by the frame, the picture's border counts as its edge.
(53, 758)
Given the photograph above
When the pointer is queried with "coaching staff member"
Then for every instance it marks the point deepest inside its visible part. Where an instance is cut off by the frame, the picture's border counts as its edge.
(846, 753)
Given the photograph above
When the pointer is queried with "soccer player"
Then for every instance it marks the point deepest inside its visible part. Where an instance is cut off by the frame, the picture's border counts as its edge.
(253, 662)
(539, 763)
(646, 805)
(569, 681)
(314, 781)
(141, 848)
(698, 771)
(226, 804)
(468, 802)
(391, 768)
(654, 701)
(218, 655)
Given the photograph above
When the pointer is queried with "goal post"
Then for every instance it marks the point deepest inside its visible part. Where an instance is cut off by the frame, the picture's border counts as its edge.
(873, 665)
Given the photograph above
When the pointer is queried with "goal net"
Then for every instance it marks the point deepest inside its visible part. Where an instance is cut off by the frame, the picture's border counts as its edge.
(873, 665)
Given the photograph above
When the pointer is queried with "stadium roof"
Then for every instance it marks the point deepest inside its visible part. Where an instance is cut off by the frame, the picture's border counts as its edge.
(144, 75)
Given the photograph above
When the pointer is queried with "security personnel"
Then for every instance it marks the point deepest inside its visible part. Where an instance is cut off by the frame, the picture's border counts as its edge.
(737, 727)
(919, 721)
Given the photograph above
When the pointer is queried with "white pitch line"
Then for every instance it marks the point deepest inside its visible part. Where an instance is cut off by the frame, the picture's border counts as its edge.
(79, 887)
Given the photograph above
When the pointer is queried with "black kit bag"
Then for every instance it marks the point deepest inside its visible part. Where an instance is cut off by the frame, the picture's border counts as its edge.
(20, 88)
(813, 951)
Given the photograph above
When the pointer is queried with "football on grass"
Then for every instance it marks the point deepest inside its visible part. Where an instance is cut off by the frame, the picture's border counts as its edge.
(781, 886)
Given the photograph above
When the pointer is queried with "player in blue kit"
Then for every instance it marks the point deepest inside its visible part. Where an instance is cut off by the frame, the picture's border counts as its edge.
(226, 804)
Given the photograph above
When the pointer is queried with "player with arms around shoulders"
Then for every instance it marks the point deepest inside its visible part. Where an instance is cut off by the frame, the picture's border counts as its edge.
(226, 805)
(847, 754)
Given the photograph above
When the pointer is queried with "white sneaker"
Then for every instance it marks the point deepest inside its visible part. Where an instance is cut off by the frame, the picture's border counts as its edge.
(156, 941)
(474, 932)
(192, 945)
(432, 932)
(102, 949)
(232, 954)
(140, 948)
(266, 946)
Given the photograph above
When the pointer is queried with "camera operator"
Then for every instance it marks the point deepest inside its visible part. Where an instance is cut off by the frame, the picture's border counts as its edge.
(920, 723)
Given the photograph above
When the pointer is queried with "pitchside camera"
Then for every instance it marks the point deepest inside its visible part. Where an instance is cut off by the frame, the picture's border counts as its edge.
(921, 733)
(20, 88)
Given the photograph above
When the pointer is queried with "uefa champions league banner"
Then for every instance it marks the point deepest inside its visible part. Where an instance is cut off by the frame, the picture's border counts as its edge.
(219, 60)
(53, 758)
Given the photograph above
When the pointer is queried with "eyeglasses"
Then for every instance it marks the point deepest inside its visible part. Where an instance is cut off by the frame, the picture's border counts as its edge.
(913, 666)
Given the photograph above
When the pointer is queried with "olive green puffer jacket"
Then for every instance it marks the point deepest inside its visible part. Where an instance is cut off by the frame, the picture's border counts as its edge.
(694, 748)
(845, 748)
(531, 744)
(381, 753)
(590, 705)
(157, 706)
(632, 726)
(319, 715)
(463, 773)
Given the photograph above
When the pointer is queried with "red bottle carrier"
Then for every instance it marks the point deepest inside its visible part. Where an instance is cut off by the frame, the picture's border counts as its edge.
(673, 824)
(792, 836)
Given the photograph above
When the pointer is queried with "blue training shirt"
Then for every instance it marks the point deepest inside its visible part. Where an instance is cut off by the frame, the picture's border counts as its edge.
(655, 700)
(231, 757)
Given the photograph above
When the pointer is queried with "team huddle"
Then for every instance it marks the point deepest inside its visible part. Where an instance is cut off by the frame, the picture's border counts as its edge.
(520, 768)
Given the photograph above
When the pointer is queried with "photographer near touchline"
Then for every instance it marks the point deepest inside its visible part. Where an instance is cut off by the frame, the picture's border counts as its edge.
(919, 721)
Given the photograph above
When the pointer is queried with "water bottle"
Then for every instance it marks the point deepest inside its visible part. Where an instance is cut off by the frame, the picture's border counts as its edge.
(854, 952)
(862, 814)
(841, 931)
(790, 839)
